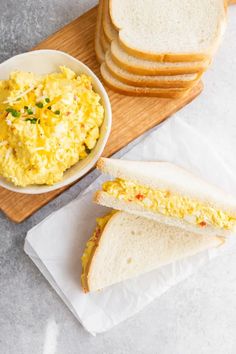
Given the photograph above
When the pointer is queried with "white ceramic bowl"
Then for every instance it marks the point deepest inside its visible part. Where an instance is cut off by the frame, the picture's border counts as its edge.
(44, 62)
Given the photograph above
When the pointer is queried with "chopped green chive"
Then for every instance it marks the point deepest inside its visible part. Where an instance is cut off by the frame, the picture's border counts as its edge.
(33, 120)
(47, 99)
(57, 112)
(13, 112)
(25, 107)
(49, 107)
(19, 98)
(29, 111)
(39, 104)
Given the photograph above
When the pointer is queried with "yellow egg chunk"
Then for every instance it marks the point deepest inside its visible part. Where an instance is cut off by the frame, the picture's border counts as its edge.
(169, 204)
(47, 124)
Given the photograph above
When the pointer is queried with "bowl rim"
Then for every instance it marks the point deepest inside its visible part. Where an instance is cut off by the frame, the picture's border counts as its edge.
(41, 189)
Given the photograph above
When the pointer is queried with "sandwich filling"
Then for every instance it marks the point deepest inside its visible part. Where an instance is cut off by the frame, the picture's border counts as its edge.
(170, 204)
(91, 246)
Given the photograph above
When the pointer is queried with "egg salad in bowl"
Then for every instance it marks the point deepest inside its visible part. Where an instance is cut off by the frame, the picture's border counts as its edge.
(48, 123)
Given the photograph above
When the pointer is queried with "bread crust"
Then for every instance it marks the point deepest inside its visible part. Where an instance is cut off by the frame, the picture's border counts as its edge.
(109, 30)
(97, 45)
(148, 81)
(104, 42)
(108, 34)
(93, 254)
(98, 232)
(167, 57)
(141, 91)
(171, 70)
(101, 164)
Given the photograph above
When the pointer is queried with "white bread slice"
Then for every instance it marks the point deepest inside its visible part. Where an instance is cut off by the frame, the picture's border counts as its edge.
(186, 80)
(173, 30)
(130, 245)
(125, 89)
(136, 65)
(98, 47)
(141, 66)
(104, 42)
(147, 67)
(110, 31)
(167, 176)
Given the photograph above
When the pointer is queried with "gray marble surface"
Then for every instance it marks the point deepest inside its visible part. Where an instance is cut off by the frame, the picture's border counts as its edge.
(196, 317)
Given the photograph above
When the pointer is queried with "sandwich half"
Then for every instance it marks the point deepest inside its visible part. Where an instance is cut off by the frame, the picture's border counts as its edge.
(124, 246)
(168, 194)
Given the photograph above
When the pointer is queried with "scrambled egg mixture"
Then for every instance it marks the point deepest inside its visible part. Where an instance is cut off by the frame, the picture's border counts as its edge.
(47, 124)
(91, 246)
(169, 204)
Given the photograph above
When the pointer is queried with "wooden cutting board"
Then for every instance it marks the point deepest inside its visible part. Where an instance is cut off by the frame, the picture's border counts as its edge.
(132, 116)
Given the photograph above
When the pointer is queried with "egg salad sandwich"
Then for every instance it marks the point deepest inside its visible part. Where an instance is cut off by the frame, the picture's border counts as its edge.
(125, 245)
(168, 194)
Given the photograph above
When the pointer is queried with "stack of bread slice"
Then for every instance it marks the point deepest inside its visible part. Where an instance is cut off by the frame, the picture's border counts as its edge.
(156, 47)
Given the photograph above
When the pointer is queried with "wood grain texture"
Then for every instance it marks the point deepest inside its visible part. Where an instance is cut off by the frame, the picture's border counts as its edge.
(132, 116)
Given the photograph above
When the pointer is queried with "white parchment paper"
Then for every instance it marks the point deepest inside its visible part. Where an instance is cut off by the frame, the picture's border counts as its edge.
(201, 138)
